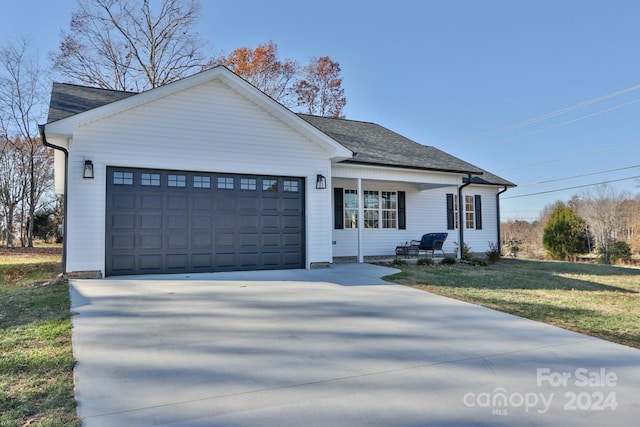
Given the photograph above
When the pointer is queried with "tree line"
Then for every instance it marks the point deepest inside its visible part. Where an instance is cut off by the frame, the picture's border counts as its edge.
(125, 45)
(603, 223)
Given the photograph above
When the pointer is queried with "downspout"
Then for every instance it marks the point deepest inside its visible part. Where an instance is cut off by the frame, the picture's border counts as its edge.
(498, 217)
(461, 222)
(43, 136)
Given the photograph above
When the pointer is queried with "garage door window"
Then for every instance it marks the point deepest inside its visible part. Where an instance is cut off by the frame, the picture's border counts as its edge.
(225, 183)
(248, 184)
(291, 186)
(201, 182)
(123, 178)
(177, 181)
(269, 185)
(151, 179)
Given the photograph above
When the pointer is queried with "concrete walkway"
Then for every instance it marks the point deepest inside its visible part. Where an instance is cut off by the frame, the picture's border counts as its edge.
(299, 348)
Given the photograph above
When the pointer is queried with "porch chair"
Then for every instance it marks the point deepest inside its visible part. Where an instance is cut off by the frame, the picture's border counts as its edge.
(430, 242)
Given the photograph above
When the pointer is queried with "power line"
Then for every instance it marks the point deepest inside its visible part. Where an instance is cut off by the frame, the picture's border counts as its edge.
(570, 188)
(574, 156)
(597, 113)
(543, 117)
(578, 176)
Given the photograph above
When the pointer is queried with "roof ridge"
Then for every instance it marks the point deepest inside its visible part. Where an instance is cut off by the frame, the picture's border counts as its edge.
(97, 88)
(337, 118)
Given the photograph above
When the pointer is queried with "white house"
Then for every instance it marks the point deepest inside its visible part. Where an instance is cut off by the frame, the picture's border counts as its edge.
(210, 174)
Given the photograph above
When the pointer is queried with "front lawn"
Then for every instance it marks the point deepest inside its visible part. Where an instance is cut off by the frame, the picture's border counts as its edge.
(598, 300)
(36, 358)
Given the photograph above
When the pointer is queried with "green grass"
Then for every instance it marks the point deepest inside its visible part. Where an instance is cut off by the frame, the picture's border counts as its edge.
(36, 358)
(597, 300)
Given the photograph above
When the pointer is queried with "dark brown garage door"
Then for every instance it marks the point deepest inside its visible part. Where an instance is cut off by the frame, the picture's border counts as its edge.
(161, 221)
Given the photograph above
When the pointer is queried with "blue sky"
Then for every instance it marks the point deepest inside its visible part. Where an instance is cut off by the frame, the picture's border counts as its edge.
(455, 74)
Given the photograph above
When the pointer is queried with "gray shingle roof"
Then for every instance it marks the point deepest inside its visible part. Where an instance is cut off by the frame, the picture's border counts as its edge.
(377, 145)
(68, 100)
(371, 143)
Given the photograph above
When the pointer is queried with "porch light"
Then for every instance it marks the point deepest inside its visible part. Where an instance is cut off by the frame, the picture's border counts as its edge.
(321, 182)
(87, 171)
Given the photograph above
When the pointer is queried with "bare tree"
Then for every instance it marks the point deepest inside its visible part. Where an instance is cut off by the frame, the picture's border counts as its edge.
(320, 88)
(125, 45)
(606, 215)
(21, 107)
(11, 188)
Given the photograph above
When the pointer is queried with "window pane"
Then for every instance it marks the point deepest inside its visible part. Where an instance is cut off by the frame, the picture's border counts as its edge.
(269, 185)
(350, 218)
(371, 218)
(151, 179)
(291, 186)
(248, 184)
(389, 219)
(371, 200)
(201, 182)
(176, 181)
(123, 178)
(350, 199)
(469, 206)
(225, 183)
(389, 200)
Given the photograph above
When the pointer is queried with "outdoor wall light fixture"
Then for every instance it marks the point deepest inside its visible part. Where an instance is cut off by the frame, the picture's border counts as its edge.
(321, 182)
(87, 171)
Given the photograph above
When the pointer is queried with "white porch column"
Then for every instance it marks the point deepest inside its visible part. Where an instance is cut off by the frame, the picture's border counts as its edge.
(360, 222)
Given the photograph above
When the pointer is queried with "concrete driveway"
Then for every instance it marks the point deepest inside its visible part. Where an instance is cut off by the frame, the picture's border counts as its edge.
(312, 348)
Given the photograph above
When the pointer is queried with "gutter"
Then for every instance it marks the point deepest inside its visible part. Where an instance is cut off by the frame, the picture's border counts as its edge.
(498, 216)
(43, 136)
(461, 223)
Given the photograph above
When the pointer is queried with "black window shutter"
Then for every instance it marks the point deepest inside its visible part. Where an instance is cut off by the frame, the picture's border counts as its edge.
(450, 212)
(402, 211)
(338, 208)
(478, 212)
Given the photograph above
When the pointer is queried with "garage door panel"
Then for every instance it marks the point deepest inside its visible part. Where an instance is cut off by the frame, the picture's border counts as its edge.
(123, 241)
(123, 221)
(270, 239)
(177, 261)
(291, 239)
(177, 221)
(150, 221)
(248, 202)
(150, 201)
(248, 260)
(123, 263)
(225, 222)
(249, 240)
(177, 202)
(201, 241)
(204, 202)
(123, 201)
(271, 259)
(177, 241)
(150, 241)
(150, 263)
(201, 222)
(225, 260)
(193, 221)
(290, 258)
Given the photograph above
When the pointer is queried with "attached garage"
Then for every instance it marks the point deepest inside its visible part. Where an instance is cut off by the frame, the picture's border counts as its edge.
(164, 221)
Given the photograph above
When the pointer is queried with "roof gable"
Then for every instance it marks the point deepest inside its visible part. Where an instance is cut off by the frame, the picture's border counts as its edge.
(75, 105)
